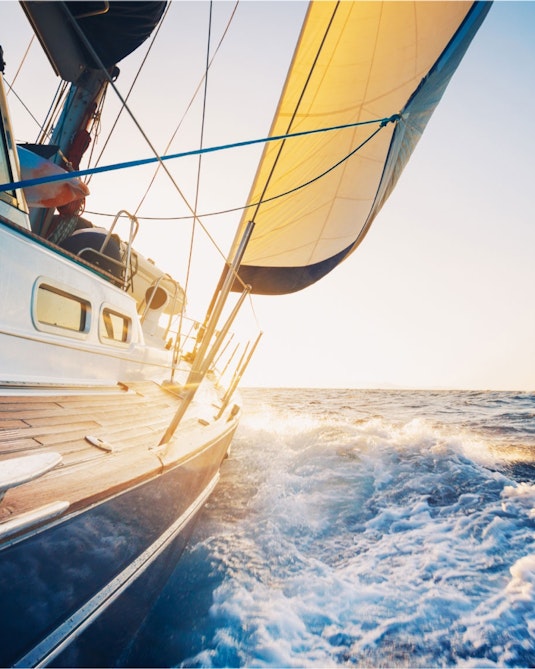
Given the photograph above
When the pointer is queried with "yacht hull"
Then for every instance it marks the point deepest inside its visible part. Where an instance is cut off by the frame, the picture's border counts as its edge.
(79, 590)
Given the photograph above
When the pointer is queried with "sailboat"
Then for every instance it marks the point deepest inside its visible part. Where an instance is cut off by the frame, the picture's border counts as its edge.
(116, 410)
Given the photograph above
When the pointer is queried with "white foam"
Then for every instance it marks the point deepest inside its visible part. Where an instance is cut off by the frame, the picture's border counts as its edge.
(522, 584)
(372, 542)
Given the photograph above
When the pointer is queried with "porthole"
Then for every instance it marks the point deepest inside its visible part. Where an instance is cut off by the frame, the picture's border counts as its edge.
(61, 310)
(114, 326)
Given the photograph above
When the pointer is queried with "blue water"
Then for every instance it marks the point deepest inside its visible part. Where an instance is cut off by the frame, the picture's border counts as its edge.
(361, 528)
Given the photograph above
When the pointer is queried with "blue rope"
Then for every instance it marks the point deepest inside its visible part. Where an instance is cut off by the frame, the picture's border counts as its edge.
(147, 161)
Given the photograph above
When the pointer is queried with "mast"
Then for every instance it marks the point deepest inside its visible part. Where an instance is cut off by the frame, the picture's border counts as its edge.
(84, 48)
(71, 136)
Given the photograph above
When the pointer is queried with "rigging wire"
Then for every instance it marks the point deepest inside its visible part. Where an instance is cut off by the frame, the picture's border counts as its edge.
(251, 205)
(201, 140)
(10, 89)
(53, 113)
(188, 107)
(197, 187)
(19, 68)
(157, 157)
(140, 68)
(44, 128)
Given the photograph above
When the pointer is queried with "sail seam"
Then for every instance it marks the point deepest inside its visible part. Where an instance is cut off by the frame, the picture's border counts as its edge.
(296, 108)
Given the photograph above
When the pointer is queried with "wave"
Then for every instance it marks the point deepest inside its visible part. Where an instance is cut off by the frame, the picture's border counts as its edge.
(362, 534)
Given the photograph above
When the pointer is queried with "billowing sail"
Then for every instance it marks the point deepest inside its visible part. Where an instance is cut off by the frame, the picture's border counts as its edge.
(355, 62)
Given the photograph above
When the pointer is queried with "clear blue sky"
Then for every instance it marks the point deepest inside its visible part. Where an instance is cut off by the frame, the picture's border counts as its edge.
(440, 293)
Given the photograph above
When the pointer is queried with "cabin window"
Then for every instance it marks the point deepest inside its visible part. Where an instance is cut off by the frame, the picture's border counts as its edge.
(61, 309)
(114, 326)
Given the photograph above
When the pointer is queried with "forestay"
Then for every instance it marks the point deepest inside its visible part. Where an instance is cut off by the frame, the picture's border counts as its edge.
(355, 63)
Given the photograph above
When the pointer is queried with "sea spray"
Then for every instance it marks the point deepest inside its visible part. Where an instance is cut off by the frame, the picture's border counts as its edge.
(363, 528)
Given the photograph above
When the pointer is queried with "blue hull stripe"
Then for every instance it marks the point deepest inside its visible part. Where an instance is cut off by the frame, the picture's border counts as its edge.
(55, 642)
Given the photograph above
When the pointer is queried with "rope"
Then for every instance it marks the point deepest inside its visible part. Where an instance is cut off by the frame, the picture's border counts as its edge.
(184, 154)
(251, 205)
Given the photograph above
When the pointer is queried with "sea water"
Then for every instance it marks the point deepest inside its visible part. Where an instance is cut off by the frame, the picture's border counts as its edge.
(361, 528)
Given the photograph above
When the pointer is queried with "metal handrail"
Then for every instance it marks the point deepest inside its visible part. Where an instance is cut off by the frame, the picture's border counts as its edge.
(134, 227)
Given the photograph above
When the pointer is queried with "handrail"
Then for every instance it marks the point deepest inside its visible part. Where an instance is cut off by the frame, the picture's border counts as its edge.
(134, 227)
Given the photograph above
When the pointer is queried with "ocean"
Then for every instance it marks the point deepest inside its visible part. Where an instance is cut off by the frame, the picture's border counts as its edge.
(367, 528)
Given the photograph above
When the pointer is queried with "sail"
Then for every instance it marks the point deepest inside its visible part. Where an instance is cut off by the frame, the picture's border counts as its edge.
(355, 62)
(114, 30)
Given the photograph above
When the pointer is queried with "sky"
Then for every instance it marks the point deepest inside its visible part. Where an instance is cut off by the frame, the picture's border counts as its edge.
(441, 292)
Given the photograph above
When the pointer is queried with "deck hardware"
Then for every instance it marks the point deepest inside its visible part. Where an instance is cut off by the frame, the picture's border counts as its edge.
(99, 443)
(19, 470)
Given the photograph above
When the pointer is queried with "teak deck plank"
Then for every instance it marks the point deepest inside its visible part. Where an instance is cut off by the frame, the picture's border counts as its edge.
(57, 415)
(9, 424)
(14, 448)
(131, 422)
(9, 405)
(51, 440)
(44, 431)
(52, 420)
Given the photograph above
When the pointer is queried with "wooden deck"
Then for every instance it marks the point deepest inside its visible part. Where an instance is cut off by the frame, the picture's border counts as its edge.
(129, 419)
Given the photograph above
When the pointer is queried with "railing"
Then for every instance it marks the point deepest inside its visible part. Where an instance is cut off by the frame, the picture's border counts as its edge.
(211, 341)
(134, 227)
